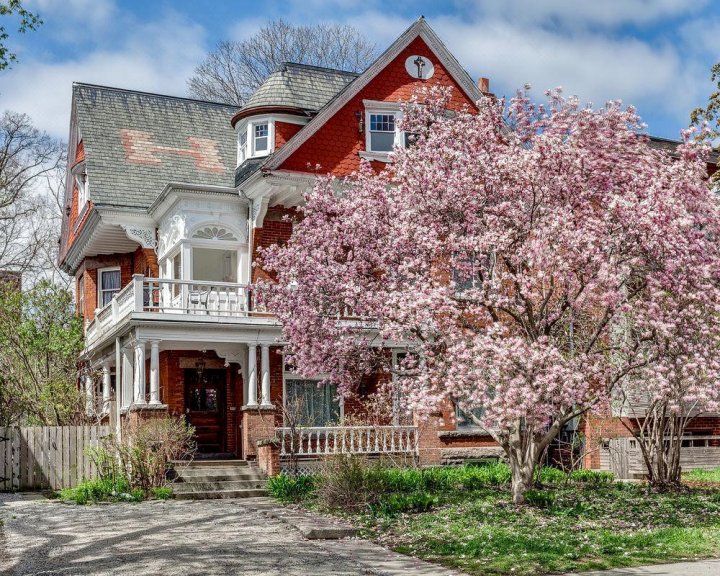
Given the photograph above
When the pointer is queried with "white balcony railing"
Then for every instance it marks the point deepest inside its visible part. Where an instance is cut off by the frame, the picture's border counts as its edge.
(197, 298)
(327, 440)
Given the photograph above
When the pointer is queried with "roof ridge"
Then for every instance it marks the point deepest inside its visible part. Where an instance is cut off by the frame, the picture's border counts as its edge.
(145, 93)
(315, 67)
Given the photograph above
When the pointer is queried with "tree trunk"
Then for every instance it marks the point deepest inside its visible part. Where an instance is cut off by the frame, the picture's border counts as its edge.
(522, 478)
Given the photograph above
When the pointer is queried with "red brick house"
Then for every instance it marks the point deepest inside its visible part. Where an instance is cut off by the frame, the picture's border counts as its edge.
(168, 200)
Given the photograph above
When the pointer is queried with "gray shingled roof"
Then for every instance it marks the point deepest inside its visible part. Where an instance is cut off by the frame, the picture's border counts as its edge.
(300, 86)
(670, 147)
(136, 143)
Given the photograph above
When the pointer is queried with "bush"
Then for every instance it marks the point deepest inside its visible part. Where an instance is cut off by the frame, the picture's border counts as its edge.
(161, 493)
(540, 498)
(592, 476)
(102, 490)
(402, 503)
(551, 476)
(291, 489)
(346, 482)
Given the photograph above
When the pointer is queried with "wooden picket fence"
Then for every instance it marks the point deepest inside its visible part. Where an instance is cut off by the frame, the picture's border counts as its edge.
(47, 457)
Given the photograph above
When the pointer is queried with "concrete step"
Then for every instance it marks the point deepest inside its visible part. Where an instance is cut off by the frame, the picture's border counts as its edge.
(181, 487)
(221, 494)
(199, 471)
(212, 476)
(210, 463)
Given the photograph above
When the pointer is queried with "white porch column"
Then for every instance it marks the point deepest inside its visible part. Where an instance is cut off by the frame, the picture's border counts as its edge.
(265, 374)
(127, 378)
(139, 372)
(155, 372)
(106, 385)
(89, 407)
(252, 375)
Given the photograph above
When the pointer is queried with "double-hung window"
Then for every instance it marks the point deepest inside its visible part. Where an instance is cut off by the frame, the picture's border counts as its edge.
(108, 285)
(465, 419)
(382, 132)
(261, 137)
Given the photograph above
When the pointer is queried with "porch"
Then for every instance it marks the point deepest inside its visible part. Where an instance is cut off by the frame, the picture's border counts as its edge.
(177, 300)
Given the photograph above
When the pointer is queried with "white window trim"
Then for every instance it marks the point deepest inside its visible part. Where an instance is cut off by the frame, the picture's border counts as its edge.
(380, 107)
(100, 272)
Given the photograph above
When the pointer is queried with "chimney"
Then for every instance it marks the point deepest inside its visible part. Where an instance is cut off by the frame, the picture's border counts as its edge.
(484, 86)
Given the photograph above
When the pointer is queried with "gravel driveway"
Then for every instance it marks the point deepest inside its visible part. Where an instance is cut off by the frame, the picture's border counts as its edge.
(177, 537)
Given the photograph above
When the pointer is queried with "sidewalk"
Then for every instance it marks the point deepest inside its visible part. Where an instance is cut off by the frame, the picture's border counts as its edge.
(697, 568)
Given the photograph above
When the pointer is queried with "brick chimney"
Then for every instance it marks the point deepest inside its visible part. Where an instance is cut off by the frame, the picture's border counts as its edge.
(484, 86)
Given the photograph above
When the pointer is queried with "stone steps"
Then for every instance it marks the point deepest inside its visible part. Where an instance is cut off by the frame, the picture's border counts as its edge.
(220, 494)
(205, 486)
(215, 479)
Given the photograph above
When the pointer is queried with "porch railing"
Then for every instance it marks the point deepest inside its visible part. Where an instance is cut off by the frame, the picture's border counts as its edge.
(193, 297)
(328, 440)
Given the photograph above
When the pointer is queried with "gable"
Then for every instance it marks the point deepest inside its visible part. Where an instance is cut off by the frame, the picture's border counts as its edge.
(337, 143)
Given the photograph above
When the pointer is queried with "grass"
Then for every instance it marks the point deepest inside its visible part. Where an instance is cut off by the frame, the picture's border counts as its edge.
(697, 475)
(584, 528)
(463, 518)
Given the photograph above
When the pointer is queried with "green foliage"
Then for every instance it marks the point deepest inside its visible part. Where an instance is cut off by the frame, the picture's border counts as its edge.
(540, 498)
(550, 476)
(26, 21)
(579, 527)
(699, 475)
(413, 502)
(161, 492)
(102, 490)
(592, 476)
(40, 341)
(291, 489)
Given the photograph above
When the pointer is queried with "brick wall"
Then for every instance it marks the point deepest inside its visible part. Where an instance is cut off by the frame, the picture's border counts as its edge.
(335, 146)
(87, 273)
(275, 230)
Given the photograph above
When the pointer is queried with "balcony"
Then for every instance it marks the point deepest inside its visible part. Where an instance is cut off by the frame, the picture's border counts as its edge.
(158, 298)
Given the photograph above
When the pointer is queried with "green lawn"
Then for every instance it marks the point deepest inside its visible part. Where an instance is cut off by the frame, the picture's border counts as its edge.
(703, 475)
(586, 528)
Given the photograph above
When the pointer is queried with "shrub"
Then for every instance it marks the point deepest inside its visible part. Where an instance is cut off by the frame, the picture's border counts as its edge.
(540, 498)
(402, 503)
(146, 449)
(291, 489)
(551, 476)
(103, 489)
(592, 476)
(161, 493)
(346, 482)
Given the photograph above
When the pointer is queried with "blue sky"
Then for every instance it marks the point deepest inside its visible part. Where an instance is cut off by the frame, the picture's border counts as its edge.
(655, 54)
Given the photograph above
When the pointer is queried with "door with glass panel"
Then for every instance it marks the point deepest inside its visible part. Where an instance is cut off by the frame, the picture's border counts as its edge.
(205, 407)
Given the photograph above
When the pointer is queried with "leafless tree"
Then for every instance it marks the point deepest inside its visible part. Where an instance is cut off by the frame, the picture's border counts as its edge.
(32, 167)
(234, 70)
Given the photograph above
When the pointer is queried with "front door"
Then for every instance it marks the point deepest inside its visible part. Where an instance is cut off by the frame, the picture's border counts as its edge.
(205, 408)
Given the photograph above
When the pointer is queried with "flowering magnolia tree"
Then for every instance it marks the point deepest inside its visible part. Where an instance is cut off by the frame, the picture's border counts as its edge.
(533, 258)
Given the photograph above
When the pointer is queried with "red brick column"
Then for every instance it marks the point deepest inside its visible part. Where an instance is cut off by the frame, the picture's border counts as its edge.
(258, 424)
(268, 457)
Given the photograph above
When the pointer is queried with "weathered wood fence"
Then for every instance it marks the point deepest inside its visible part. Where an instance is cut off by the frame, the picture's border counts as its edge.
(623, 457)
(47, 457)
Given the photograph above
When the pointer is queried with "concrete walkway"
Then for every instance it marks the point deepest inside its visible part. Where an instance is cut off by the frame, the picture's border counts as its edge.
(212, 537)
(700, 568)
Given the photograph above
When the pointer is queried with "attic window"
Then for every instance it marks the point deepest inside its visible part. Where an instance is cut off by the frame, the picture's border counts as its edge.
(381, 130)
(255, 139)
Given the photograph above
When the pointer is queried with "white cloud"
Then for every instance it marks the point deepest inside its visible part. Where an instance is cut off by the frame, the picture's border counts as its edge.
(155, 57)
(586, 12)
